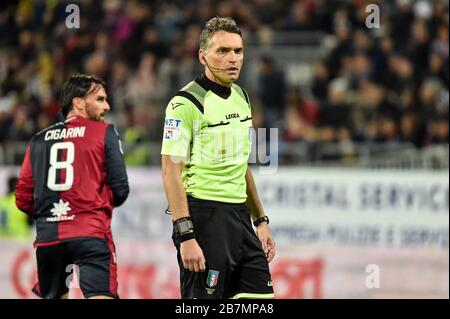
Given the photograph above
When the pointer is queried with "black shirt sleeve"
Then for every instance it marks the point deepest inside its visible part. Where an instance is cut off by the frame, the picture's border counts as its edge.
(115, 167)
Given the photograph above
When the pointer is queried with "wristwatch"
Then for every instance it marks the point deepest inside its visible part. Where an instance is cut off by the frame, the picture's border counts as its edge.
(183, 226)
(260, 220)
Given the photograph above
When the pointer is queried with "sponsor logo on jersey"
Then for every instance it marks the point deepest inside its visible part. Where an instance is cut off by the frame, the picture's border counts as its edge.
(59, 211)
(172, 129)
(175, 105)
(232, 116)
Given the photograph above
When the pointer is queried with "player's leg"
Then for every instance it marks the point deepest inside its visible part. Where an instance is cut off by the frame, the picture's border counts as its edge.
(95, 258)
(251, 279)
(212, 228)
(193, 285)
(53, 273)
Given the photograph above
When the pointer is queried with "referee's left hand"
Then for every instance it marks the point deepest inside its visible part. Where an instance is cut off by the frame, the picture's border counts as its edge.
(268, 245)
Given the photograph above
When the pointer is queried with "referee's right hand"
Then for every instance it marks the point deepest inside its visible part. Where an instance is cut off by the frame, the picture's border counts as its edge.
(192, 256)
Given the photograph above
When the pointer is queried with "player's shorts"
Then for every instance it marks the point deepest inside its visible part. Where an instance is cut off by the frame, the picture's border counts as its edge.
(95, 268)
(236, 266)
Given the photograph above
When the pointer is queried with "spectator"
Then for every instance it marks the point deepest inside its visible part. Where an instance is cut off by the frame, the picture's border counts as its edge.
(13, 223)
(272, 90)
(146, 50)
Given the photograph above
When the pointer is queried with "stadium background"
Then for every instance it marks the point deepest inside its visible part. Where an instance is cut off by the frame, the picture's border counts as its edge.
(359, 201)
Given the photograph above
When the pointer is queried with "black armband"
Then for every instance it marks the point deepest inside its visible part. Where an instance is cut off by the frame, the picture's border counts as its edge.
(184, 228)
(260, 220)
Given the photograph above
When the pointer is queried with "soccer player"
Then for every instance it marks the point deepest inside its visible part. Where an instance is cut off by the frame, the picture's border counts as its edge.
(72, 176)
(209, 187)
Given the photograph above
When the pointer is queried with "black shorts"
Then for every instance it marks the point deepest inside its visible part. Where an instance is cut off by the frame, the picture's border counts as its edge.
(236, 266)
(95, 265)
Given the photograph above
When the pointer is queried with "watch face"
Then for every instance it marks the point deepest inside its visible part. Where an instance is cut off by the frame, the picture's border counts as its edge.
(184, 226)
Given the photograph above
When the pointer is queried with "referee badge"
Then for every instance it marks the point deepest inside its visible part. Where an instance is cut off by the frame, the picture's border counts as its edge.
(211, 280)
(172, 129)
(213, 277)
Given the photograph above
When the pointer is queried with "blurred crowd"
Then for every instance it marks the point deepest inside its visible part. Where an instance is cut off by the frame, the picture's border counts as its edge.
(382, 84)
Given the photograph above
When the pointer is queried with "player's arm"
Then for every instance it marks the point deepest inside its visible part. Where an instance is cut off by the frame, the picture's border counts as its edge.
(177, 136)
(253, 201)
(115, 166)
(172, 167)
(25, 186)
(176, 141)
(190, 251)
(257, 212)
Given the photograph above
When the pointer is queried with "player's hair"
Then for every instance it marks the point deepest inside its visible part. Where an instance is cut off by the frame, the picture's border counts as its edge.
(78, 85)
(214, 25)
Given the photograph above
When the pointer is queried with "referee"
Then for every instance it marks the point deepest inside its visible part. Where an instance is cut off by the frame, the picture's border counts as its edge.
(209, 187)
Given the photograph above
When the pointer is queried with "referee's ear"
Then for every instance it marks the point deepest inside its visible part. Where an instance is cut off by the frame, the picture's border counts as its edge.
(201, 57)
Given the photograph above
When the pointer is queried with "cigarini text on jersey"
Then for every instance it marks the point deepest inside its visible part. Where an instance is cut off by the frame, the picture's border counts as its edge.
(71, 132)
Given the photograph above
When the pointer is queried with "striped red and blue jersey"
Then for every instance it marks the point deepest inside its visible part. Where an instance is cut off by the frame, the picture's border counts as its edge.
(72, 176)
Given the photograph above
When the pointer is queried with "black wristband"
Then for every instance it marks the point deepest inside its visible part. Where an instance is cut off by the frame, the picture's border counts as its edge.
(187, 236)
(184, 228)
(183, 225)
(260, 220)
